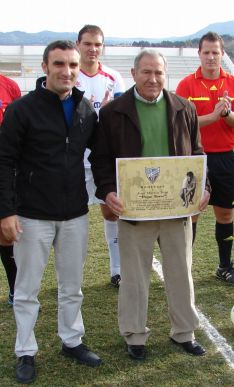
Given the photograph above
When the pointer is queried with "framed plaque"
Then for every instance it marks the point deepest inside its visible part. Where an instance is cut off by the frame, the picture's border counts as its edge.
(160, 187)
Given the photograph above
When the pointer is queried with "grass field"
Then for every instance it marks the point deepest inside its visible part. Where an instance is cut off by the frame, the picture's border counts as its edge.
(166, 365)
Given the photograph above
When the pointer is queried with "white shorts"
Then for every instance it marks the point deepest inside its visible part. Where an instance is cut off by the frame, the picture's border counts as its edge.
(91, 187)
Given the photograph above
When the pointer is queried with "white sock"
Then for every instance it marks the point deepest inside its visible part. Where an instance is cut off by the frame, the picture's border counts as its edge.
(111, 234)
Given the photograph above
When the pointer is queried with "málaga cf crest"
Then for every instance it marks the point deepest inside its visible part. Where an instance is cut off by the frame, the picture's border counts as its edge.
(152, 174)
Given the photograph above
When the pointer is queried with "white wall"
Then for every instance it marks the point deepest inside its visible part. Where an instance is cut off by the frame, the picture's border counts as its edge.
(30, 58)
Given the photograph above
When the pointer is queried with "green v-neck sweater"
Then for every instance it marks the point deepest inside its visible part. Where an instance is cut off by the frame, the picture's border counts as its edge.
(153, 125)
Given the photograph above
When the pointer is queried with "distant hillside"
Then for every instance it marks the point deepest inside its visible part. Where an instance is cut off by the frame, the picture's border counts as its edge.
(225, 28)
(45, 37)
(42, 38)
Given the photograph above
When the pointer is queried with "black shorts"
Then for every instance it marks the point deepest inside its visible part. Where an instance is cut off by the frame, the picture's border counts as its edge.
(221, 174)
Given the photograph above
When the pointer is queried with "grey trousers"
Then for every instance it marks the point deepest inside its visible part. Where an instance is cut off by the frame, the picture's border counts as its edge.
(69, 239)
(136, 244)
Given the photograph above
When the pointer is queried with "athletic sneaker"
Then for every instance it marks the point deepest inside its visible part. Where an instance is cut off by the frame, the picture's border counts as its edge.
(226, 274)
(10, 299)
(115, 280)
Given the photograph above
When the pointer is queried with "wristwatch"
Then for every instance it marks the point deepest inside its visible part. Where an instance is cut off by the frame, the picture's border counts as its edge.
(228, 112)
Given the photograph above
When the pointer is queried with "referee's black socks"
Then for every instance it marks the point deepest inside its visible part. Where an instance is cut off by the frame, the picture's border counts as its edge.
(224, 238)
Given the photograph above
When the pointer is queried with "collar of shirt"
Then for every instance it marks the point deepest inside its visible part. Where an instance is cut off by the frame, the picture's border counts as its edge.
(43, 85)
(198, 73)
(137, 96)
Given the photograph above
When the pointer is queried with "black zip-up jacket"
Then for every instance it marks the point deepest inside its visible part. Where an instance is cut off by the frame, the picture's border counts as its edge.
(47, 156)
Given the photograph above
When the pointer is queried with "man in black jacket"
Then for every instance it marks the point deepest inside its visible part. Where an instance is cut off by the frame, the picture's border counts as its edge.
(44, 136)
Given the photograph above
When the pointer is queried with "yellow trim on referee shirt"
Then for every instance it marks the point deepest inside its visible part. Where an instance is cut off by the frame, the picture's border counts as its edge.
(198, 98)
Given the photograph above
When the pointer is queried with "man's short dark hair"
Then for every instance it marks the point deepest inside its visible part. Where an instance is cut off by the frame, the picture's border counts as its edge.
(61, 44)
(211, 37)
(91, 29)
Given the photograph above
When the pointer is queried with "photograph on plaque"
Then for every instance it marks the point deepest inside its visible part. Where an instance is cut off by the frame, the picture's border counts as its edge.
(160, 187)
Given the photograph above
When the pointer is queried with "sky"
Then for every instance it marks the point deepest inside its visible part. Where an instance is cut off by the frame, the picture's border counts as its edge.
(119, 18)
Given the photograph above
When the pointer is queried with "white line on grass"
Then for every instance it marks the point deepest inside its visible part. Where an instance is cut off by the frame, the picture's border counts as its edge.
(219, 341)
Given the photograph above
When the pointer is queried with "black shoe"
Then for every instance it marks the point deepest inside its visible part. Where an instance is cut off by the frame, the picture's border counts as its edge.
(115, 280)
(25, 370)
(82, 354)
(226, 274)
(136, 351)
(192, 347)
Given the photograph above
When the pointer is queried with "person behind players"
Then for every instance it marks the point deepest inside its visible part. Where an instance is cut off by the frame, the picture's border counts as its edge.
(100, 84)
(211, 89)
(9, 91)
